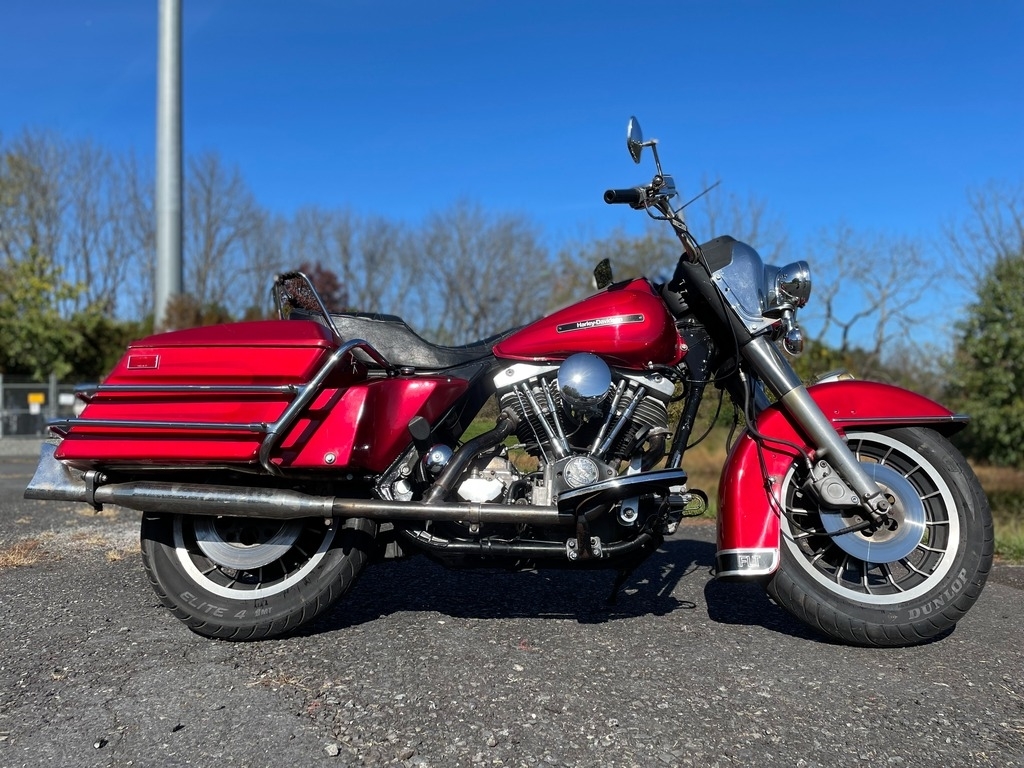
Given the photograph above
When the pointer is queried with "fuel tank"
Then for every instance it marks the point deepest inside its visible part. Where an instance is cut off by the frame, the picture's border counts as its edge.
(627, 324)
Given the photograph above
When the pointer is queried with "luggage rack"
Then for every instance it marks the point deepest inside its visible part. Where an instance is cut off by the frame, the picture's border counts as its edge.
(275, 431)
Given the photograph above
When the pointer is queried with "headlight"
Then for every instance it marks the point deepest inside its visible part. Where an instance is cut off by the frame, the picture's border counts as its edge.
(791, 286)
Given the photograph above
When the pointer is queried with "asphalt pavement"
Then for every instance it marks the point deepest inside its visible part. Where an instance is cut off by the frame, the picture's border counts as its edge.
(421, 666)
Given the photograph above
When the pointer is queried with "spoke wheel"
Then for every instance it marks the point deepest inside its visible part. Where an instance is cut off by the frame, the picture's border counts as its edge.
(901, 583)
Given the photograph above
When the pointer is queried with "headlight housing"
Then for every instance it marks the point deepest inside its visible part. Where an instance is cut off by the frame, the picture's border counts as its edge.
(789, 287)
(760, 294)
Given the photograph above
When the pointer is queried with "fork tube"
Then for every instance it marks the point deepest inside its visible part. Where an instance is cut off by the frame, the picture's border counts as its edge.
(798, 403)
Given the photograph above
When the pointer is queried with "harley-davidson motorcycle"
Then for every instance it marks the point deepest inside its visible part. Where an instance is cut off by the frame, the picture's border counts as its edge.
(273, 460)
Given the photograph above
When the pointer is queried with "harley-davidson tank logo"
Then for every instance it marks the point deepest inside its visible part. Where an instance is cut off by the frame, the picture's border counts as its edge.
(598, 322)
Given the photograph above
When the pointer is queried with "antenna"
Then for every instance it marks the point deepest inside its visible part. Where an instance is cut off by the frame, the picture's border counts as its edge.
(698, 197)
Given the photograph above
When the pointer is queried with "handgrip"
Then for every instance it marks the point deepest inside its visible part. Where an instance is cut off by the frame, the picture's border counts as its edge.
(631, 196)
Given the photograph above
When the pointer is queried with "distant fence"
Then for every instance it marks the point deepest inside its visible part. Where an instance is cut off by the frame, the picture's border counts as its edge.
(26, 405)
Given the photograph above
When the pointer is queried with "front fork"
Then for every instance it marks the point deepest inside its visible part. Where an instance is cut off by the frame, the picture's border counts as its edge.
(854, 487)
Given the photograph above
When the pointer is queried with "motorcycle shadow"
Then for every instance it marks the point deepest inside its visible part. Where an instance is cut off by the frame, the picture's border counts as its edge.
(669, 581)
(747, 604)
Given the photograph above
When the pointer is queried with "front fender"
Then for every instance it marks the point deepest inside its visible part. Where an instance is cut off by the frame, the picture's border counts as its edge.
(749, 493)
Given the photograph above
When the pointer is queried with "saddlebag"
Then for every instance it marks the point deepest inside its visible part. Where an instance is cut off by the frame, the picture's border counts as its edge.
(279, 394)
(202, 395)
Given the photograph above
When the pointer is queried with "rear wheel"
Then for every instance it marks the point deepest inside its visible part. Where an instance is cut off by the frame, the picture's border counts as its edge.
(246, 579)
(902, 584)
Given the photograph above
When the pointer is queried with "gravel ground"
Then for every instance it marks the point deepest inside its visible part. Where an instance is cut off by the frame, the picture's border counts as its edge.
(420, 666)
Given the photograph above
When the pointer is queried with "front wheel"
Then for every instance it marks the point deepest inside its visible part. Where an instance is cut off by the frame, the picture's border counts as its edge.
(246, 579)
(902, 584)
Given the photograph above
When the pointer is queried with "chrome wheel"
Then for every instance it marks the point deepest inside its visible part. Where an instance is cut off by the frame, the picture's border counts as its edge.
(894, 564)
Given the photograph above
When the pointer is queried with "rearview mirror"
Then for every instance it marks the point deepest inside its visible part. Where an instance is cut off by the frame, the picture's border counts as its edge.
(634, 139)
(603, 274)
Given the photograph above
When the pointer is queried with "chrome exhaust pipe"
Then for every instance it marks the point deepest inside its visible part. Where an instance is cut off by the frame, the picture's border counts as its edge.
(280, 504)
(55, 480)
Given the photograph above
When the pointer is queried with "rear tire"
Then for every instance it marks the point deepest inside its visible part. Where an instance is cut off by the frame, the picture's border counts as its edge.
(250, 579)
(890, 588)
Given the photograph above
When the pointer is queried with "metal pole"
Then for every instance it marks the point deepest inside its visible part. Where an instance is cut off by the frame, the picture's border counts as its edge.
(168, 161)
(51, 403)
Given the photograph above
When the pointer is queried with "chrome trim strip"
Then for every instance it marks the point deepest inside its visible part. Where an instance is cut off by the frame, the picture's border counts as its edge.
(956, 418)
(746, 562)
(92, 390)
(130, 424)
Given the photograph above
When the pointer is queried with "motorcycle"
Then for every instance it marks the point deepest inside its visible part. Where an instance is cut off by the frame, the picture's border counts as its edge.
(272, 460)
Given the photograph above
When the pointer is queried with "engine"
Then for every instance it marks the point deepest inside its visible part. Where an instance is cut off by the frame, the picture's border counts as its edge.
(582, 407)
(580, 421)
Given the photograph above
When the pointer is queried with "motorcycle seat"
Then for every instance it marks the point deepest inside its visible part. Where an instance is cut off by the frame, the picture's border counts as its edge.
(399, 344)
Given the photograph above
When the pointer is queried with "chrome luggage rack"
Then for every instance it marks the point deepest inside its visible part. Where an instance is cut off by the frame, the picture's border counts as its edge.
(304, 394)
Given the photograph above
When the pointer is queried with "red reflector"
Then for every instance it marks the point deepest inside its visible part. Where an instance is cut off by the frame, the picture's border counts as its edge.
(143, 361)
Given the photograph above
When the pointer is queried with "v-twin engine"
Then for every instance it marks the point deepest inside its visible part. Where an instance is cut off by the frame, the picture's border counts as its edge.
(583, 414)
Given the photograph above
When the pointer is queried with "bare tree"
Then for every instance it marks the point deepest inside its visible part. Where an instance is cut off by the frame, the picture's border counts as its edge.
(100, 253)
(369, 255)
(324, 239)
(84, 209)
(220, 212)
(263, 248)
(653, 255)
(31, 221)
(388, 274)
(870, 290)
(480, 273)
(748, 219)
(993, 230)
(140, 233)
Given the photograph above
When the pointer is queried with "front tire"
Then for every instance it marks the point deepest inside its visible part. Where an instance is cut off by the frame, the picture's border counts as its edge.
(891, 587)
(250, 579)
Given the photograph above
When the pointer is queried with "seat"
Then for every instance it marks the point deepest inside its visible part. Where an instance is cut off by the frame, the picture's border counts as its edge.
(398, 343)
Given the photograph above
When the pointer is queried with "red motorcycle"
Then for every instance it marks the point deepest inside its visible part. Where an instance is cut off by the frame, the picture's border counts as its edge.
(272, 460)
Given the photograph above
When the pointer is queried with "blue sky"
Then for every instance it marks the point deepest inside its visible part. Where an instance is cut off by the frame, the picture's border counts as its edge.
(882, 114)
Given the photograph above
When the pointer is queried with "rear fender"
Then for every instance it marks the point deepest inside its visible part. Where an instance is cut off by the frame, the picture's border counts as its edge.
(749, 493)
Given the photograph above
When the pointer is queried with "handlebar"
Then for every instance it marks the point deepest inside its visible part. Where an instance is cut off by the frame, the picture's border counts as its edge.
(631, 196)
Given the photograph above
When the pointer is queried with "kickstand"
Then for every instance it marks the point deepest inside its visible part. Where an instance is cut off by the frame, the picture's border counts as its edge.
(621, 577)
